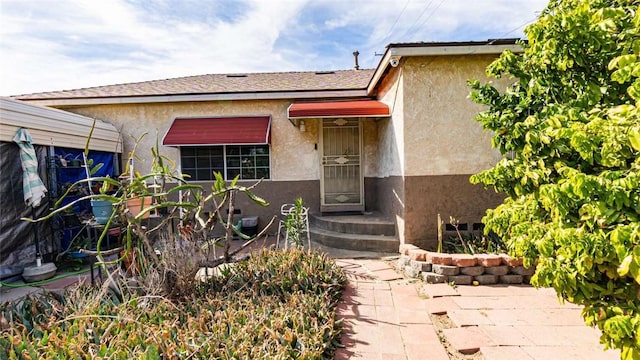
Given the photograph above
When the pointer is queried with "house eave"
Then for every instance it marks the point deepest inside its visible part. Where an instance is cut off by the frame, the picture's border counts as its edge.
(397, 52)
(323, 94)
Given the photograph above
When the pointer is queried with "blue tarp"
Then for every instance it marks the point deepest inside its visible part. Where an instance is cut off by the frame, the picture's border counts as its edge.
(72, 173)
(16, 237)
(71, 176)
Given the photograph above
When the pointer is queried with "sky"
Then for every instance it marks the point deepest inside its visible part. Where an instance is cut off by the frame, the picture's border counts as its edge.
(48, 45)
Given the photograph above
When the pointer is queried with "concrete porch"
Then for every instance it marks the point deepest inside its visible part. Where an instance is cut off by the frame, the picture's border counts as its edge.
(358, 232)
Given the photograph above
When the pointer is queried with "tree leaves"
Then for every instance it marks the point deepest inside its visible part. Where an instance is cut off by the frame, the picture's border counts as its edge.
(634, 137)
(572, 123)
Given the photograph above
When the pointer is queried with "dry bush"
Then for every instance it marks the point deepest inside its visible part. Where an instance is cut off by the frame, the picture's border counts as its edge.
(276, 305)
(174, 275)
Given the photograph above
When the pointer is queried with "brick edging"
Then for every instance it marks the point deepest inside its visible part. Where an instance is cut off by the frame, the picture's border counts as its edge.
(462, 269)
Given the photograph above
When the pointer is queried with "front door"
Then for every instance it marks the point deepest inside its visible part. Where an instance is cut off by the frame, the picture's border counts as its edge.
(341, 181)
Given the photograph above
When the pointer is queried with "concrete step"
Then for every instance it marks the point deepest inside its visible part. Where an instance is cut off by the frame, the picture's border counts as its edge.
(360, 242)
(370, 224)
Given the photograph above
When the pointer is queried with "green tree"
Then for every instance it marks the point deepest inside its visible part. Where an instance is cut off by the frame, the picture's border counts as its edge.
(570, 123)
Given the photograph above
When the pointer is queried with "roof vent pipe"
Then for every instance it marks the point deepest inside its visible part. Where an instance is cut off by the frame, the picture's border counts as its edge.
(355, 56)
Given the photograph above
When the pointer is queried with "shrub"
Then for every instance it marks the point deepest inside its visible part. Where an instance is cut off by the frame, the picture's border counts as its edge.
(474, 243)
(276, 305)
(281, 273)
(571, 121)
(162, 256)
(470, 243)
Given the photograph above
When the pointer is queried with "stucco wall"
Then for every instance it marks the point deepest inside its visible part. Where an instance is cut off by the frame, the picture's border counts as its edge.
(431, 131)
(293, 155)
(391, 145)
(370, 147)
(438, 116)
(447, 195)
(278, 193)
(391, 150)
(431, 145)
(443, 145)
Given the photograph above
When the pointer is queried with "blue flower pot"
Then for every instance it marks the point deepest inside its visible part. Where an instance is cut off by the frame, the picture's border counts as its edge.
(102, 210)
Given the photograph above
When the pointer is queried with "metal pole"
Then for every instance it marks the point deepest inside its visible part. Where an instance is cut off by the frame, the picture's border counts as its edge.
(36, 238)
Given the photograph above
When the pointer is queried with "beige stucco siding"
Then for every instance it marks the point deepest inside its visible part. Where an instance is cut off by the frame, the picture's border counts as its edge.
(431, 145)
(391, 151)
(370, 147)
(391, 144)
(441, 137)
(293, 156)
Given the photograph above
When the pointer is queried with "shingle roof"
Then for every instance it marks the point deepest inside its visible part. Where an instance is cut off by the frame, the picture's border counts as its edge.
(222, 84)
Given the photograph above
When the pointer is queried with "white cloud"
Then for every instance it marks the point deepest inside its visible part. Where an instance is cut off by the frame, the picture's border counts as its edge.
(67, 44)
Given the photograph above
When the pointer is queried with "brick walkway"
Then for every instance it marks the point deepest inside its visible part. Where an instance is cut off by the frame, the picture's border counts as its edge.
(388, 317)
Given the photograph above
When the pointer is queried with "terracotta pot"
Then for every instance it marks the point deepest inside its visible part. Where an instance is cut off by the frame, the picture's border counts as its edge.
(135, 206)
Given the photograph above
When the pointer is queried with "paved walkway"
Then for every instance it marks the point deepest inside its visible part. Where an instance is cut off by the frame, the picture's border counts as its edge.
(389, 317)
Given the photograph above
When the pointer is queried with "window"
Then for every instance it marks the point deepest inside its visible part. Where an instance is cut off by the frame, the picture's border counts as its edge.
(251, 162)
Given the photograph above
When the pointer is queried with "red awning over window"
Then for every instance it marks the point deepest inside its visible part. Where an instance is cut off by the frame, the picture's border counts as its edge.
(331, 109)
(219, 131)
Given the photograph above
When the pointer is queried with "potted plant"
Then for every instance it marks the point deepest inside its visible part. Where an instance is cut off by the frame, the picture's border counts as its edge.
(76, 162)
(79, 242)
(62, 159)
(144, 192)
(138, 204)
(68, 160)
(102, 208)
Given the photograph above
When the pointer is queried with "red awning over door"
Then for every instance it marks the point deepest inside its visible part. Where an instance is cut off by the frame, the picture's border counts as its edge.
(219, 131)
(331, 109)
